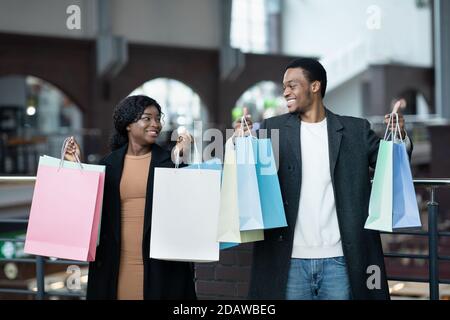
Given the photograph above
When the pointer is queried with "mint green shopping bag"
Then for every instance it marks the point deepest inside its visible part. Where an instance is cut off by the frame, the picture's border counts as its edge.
(381, 196)
(380, 203)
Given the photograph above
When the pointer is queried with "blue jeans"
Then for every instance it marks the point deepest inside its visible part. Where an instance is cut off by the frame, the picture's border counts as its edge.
(318, 279)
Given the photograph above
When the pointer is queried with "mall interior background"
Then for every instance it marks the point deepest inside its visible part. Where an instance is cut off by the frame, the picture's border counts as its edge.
(203, 60)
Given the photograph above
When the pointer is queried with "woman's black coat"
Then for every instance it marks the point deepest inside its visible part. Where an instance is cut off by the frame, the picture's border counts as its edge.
(162, 279)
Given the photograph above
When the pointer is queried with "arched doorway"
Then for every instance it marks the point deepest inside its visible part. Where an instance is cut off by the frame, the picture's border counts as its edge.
(181, 106)
(263, 100)
(36, 117)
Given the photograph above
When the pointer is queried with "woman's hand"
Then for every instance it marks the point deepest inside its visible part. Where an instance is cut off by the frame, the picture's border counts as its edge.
(183, 146)
(184, 143)
(72, 150)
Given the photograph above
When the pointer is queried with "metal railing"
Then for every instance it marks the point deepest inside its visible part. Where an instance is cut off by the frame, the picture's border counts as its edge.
(39, 293)
(433, 235)
(433, 245)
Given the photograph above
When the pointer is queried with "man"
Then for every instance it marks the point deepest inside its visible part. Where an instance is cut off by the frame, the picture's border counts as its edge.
(324, 160)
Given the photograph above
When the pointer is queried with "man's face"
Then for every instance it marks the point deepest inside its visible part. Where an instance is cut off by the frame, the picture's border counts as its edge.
(297, 90)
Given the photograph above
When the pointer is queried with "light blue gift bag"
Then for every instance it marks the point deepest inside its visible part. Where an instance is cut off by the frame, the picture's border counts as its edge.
(405, 209)
(250, 213)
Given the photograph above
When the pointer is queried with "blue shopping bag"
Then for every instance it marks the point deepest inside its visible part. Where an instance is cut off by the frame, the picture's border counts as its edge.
(212, 164)
(271, 200)
(405, 209)
(250, 213)
(228, 245)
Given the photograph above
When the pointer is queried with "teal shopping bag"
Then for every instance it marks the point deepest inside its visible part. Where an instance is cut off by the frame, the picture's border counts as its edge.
(268, 185)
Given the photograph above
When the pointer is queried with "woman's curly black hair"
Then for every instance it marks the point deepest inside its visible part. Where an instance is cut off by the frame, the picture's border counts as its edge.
(127, 111)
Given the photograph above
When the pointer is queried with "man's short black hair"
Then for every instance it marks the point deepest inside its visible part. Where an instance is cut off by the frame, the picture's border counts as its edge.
(314, 71)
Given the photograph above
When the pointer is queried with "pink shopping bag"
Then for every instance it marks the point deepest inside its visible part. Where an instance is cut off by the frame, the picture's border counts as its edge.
(65, 213)
(55, 162)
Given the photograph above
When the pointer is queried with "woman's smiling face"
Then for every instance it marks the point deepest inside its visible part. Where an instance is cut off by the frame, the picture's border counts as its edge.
(146, 129)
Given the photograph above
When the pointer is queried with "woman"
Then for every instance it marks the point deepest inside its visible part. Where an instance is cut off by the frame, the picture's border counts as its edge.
(122, 268)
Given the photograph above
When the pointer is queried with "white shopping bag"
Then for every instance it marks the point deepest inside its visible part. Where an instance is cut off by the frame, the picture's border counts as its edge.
(185, 215)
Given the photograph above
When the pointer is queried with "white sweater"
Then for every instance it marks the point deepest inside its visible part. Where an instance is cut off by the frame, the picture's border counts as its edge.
(316, 232)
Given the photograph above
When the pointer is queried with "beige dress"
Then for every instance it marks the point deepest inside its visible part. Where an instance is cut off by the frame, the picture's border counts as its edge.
(133, 188)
